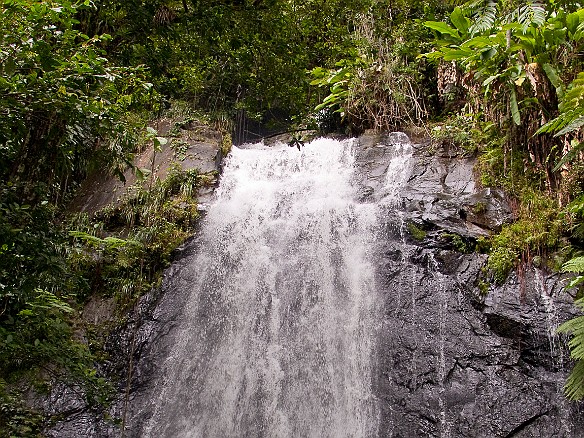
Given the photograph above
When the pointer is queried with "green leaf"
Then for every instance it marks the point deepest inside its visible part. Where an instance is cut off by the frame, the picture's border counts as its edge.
(579, 34)
(442, 28)
(552, 75)
(479, 42)
(527, 43)
(570, 127)
(9, 67)
(456, 54)
(114, 242)
(575, 265)
(514, 107)
(572, 22)
(484, 18)
(459, 20)
(490, 79)
(574, 387)
(142, 173)
(575, 282)
(533, 13)
(488, 53)
(568, 157)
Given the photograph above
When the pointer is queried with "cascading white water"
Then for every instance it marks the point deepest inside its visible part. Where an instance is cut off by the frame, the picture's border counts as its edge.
(278, 334)
(399, 168)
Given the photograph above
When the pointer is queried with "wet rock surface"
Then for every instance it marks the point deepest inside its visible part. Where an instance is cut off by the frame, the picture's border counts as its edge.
(452, 359)
(453, 362)
(456, 359)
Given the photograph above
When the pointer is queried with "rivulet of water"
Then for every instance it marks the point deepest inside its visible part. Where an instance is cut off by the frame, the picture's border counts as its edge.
(277, 337)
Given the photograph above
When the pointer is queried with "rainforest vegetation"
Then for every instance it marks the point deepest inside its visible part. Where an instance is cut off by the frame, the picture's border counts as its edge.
(80, 80)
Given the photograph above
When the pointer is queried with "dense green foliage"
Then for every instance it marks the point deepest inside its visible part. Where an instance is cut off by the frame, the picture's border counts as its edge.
(517, 61)
(79, 80)
(60, 99)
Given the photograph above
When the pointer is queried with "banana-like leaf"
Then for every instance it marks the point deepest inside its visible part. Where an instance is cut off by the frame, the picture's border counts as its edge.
(460, 21)
(515, 107)
(442, 28)
(552, 75)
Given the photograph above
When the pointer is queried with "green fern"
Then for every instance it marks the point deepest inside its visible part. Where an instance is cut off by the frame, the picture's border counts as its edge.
(575, 265)
(574, 387)
(484, 17)
(532, 13)
(576, 209)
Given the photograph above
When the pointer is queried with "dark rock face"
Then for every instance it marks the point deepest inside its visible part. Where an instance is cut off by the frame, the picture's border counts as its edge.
(454, 363)
(440, 190)
(452, 360)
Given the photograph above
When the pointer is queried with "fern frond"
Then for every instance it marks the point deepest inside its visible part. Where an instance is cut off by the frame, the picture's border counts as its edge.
(484, 18)
(575, 265)
(576, 344)
(532, 13)
(574, 387)
(470, 7)
(570, 155)
(579, 304)
(572, 325)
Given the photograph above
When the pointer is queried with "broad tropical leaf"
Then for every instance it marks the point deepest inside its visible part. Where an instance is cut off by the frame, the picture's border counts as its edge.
(442, 28)
(514, 107)
(460, 21)
(552, 75)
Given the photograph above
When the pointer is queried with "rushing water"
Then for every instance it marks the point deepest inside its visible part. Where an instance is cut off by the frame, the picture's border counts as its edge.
(306, 308)
(277, 337)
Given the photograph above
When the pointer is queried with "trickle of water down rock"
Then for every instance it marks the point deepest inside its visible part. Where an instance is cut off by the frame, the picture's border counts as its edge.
(307, 306)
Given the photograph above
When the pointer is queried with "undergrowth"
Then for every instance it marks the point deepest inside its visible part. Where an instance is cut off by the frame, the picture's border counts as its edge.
(542, 226)
(126, 246)
(117, 255)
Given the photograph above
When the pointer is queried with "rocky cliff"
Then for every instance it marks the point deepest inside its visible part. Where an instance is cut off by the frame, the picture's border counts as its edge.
(455, 357)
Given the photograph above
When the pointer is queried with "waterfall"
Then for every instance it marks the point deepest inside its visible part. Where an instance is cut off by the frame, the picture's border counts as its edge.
(277, 336)
(325, 295)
